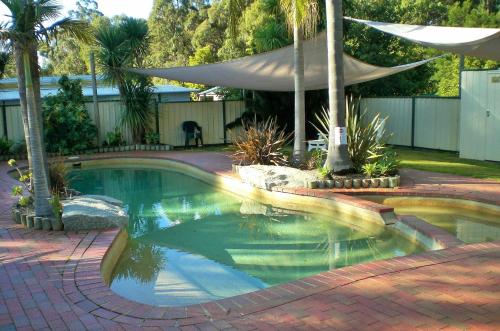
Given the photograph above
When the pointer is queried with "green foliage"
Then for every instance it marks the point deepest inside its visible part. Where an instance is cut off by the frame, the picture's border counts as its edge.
(26, 185)
(18, 148)
(152, 138)
(365, 141)
(122, 44)
(5, 145)
(261, 143)
(114, 138)
(67, 124)
(55, 203)
(370, 169)
(388, 164)
(58, 176)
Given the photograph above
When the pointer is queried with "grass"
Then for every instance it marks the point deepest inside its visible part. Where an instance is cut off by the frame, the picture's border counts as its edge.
(447, 162)
(435, 161)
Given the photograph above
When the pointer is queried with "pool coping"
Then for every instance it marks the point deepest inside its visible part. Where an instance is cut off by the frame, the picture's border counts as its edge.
(86, 288)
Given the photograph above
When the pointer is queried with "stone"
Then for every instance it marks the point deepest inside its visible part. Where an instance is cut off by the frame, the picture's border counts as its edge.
(93, 212)
(267, 177)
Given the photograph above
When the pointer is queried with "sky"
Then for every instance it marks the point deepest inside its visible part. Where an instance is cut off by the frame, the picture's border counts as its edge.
(134, 8)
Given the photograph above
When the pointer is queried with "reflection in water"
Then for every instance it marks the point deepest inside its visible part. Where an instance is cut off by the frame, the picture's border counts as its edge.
(190, 244)
(468, 226)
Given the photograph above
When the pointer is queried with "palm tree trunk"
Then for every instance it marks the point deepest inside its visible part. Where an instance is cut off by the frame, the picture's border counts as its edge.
(338, 156)
(41, 187)
(299, 108)
(35, 74)
(18, 53)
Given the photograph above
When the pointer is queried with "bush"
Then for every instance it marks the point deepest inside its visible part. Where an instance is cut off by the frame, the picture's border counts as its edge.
(25, 181)
(58, 176)
(18, 148)
(152, 138)
(67, 124)
(262, 143)
(114, 138)
(388, 164)
(5, 146)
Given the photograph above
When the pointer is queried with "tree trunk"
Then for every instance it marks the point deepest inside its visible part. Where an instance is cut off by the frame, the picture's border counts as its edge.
(21, 81)
(338, 156)
(299, 108)
(35, 76)
(41, 187)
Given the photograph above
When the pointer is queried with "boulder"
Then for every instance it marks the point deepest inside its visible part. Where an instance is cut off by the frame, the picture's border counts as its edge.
(93, 212)
(267, 177)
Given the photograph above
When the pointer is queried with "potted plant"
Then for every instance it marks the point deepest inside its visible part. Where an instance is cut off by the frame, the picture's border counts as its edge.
(370, 170)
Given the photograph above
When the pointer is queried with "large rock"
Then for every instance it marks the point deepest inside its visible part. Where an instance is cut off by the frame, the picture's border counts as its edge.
(267, 177)
(92, 212)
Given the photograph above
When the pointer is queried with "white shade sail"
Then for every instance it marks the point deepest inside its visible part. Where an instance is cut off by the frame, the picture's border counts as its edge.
(273, 71)
(478, 42)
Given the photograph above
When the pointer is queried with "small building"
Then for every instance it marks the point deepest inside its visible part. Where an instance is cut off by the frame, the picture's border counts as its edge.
(212, 94)
(480, 115)
(49, 86)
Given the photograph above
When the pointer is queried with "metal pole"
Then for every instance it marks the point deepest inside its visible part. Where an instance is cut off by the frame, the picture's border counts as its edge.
(413, 122)
(224, 120)
(460, 69)
(94, 95)
(4, 118)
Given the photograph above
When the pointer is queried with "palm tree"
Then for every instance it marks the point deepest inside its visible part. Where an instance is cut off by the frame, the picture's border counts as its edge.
(23, 33)
(338, 157)
(302, 17)
(125, 45)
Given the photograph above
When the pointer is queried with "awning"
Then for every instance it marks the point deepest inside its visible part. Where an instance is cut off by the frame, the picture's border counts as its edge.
(273, 71)
(478, 42)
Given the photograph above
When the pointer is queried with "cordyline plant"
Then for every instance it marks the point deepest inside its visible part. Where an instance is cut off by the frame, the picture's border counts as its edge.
(262, 143)
(365, 141)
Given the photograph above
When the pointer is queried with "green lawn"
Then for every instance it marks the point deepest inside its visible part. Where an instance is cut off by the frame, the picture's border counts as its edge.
(447, 162)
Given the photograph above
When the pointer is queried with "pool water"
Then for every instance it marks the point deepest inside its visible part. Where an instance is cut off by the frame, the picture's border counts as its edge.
(189, 243)
(468, 226)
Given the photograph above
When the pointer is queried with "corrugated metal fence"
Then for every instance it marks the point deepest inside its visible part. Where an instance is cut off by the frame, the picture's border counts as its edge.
(211, 116)
(425, 122)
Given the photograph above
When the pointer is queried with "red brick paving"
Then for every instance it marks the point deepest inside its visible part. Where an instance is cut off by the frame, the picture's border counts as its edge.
(51, 280)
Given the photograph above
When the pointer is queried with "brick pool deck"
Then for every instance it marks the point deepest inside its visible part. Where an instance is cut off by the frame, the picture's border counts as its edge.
(51, 280)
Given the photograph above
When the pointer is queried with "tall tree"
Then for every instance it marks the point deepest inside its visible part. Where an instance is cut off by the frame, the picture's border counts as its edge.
(338, 157)
(302, 17)
(25, 30)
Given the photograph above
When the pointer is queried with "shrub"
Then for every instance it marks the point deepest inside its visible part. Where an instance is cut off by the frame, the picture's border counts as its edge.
(114, 138)
(388, 164)
(371, 169)
(18, 148)
(5, 146)
(262, 143)
(152, 138)
(24, 179)
(58, 176)
(365, 141)
(315, 159)
(67, 124)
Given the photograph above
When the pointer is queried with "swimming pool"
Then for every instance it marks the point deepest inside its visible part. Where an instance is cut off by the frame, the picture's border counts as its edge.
(189, 243)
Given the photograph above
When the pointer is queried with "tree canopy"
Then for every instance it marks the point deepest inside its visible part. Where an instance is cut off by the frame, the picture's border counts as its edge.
(191, 32)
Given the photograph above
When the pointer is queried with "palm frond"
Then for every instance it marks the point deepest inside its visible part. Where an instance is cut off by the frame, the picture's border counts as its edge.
(69, 27)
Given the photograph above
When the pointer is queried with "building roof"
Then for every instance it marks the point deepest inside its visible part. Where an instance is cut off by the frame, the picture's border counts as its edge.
(213, 90)
(49, 86)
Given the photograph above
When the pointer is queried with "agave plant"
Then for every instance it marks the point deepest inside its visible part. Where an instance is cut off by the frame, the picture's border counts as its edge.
(262, 143)
(365, 140)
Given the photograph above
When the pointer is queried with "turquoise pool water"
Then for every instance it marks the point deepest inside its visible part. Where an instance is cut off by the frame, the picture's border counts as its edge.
(189, 243)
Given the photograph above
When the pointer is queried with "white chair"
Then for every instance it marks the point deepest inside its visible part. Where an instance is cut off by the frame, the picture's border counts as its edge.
(317, 144)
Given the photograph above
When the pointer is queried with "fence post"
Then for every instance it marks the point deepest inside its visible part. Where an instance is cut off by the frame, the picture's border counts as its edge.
(413, 101)
(157, 114)
(224, 120)
(4, 120)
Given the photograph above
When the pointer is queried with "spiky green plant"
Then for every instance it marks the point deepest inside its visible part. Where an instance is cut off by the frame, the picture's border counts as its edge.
(365, 141)
(262, 143)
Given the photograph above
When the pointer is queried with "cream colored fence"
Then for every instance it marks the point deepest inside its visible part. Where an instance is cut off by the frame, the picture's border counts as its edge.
(211, 116)
(418, 122)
